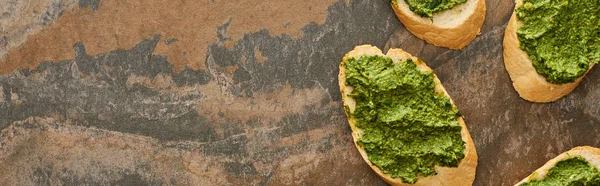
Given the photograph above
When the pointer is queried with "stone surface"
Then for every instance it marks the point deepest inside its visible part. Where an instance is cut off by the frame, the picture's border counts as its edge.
(260, 106)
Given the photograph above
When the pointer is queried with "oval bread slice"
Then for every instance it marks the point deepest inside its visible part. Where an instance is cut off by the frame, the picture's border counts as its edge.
(591, 154)
(530, 85)
(454, 28)
(464, 174)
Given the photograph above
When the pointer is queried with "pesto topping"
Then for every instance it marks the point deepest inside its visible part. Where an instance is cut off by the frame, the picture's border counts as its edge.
(408, 129)
(426, 8)
(561, 37)
(573, 171)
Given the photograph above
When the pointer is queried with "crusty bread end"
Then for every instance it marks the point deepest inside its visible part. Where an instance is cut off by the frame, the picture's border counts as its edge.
(591, 154)
(464, 174)
(528, 83)
(454, 28)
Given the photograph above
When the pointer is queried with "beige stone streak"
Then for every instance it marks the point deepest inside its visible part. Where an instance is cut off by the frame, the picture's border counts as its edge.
(122, 24)
(259, 57)
(1, 94)
(217, 100)
(266, 106)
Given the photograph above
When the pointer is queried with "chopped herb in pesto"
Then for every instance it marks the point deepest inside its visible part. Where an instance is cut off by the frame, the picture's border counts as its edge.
(561, 37)
(426, 8)
(408, 128)
(569, 172)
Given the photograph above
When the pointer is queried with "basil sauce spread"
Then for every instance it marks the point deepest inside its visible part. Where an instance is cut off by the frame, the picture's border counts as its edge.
(408, 128)
(426, 8)
(569, 172)
(561, 37)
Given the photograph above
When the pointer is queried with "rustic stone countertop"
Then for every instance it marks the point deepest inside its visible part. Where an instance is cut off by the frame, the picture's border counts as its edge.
(216, 92)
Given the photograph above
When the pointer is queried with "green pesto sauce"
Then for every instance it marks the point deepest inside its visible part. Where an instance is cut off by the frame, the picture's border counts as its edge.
(573, 171)
(408, 129)
(561, 37)
(426, 8)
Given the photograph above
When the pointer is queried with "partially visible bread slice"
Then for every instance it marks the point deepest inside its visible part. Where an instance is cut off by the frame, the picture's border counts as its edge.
(464, 174)
(454, 28)
(591, 154)
(528, 83)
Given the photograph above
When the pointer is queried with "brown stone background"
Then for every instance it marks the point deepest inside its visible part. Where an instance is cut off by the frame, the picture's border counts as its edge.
(217, 92)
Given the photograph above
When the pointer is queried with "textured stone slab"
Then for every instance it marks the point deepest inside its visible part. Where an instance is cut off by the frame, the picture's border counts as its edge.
(217, 93)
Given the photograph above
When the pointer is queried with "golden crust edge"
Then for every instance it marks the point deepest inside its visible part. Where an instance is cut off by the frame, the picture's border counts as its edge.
(591, 154)
(455, 38)
(464, 174)
(530, 85)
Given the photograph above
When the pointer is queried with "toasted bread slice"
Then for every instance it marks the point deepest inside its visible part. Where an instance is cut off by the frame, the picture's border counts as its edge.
(591, 154)
(530, 85)
(453, 28)
(464, 174)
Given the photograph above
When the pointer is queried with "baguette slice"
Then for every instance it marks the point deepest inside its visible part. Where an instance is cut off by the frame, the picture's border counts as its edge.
(530, 85)
(464, 174)
(591, 154)
(454, 28)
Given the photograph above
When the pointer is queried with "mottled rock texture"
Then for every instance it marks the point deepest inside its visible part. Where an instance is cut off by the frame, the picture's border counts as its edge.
(254, 102)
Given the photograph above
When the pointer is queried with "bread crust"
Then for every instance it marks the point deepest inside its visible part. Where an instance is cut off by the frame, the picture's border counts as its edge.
(530, 85)
(591, 154)
(464, 174)
(454, 28)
